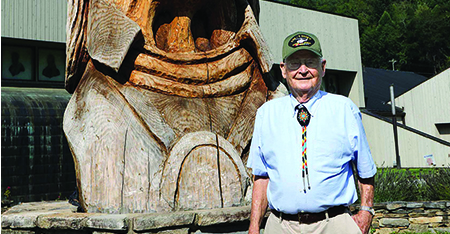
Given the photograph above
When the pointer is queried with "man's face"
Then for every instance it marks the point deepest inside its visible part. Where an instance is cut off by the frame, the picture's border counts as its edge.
(303, 72)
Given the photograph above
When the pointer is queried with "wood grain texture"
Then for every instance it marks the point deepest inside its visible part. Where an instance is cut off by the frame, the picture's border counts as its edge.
(199, 73)
(233, 84)
(142, 104)
(242, 128)
(76, 55)
(109, 33)
(170, 133)
(202, 154)
(117, 157)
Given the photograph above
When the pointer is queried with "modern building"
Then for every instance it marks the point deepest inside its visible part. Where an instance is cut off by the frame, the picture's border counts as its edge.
(423, 125)
(36, 161)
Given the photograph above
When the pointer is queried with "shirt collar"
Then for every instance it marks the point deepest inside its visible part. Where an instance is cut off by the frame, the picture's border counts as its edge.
(311, 104)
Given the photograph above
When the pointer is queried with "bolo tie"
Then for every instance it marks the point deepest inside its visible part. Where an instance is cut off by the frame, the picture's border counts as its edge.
(303, 118)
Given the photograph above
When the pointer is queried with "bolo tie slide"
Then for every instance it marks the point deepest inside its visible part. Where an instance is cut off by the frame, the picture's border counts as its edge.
(303, 118)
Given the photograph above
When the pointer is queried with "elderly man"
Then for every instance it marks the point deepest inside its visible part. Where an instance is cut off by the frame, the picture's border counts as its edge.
(302, 152)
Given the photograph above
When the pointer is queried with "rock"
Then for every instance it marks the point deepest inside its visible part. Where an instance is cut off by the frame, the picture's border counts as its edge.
(9, 231)
(55, 206)
(380, 205)
(442, 213)
(393, 215)
(224, 215)
(442, 229)
(175, 231)
(426, 220)
(395, 205)
(61, 221)
(418, 228)
(394, 222)
(161, 220)
(21, 220)
(107, 222)
(385, 231)
(438, 205)
(240, 232)
(412, 205)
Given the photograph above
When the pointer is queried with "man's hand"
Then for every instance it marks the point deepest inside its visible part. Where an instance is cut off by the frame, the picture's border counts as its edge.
(363, 219)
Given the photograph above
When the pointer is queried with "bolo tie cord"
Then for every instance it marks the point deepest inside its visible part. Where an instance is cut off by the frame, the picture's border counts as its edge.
(303, 117)
(304, 160)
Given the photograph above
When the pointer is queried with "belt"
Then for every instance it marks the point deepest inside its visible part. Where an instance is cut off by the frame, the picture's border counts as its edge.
(309, 218)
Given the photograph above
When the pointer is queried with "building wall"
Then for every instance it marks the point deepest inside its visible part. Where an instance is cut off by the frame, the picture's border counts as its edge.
(338, 35)
(34, 20)
(428, 104)
(46, 21)
(36, 160)
(412, 147)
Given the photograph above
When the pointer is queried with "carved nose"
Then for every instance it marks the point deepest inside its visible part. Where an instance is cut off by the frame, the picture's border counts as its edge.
(179, 36)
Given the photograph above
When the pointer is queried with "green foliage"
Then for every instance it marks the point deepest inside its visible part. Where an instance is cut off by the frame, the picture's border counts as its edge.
(434, 232)
(7, 193)
(437, 183)
(412, 184)
(415, 33)
(391, 184)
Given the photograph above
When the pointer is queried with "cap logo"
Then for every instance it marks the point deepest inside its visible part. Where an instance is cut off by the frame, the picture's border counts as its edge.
(301, 40)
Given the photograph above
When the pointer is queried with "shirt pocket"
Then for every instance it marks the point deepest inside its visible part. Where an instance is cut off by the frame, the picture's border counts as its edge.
(326, 154)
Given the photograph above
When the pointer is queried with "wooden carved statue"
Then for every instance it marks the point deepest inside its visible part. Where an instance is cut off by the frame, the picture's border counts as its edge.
(165, 93)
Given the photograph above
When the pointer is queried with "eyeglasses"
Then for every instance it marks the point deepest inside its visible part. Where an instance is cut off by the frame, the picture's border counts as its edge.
(294, 64)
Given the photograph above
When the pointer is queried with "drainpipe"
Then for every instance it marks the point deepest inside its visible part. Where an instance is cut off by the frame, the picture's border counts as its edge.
(394, 124)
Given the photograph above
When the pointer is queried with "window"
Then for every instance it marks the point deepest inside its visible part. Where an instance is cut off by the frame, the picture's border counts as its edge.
(443, 128)
(28, 63)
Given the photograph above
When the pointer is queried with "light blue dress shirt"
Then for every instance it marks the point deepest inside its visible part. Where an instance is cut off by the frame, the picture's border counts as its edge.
(335, 137)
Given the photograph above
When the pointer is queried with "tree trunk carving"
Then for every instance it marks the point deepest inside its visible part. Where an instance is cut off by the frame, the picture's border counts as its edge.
(164, 98)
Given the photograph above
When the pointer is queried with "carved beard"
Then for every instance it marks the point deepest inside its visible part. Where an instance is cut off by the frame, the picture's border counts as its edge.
(172, 132)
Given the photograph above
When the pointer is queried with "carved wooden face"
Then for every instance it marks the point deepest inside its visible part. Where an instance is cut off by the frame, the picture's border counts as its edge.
(187, 101)
(196, 25)
(195, 43)
(178, 32)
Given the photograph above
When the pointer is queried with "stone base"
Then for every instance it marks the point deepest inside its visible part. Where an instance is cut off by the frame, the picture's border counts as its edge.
(58, 217)
(61, 217)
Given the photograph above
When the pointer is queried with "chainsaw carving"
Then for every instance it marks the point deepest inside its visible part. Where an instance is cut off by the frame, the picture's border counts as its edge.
(164, 98)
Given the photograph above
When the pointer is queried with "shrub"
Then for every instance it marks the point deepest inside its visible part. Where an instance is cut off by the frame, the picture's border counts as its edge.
(437, 184)
(395, 185)
(429, 184)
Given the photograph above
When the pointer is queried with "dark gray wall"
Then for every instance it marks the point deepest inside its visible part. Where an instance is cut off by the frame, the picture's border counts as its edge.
(36, 160)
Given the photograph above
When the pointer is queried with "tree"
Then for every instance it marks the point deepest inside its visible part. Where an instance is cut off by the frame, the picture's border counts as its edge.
(413, 32)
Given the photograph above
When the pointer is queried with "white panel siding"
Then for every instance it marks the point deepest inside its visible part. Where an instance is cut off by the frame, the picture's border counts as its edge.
(428, 104)
(412, 147)
(43, 20)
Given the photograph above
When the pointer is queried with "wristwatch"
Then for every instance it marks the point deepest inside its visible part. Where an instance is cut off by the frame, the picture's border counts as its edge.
(369, 209)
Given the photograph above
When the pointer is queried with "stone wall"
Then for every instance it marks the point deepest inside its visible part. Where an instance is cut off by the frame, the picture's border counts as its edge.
(415, 217)
(61, 217)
